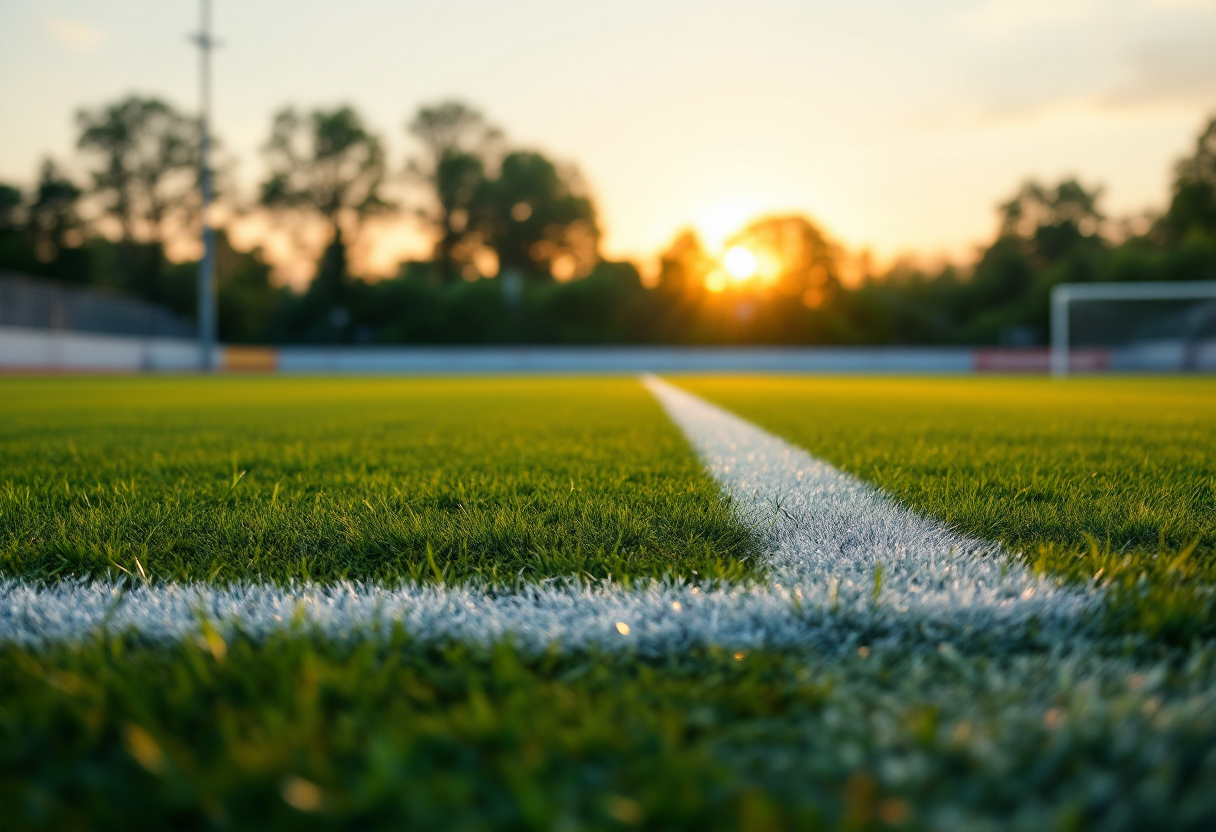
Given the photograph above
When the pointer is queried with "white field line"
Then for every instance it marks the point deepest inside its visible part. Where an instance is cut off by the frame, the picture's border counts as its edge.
(827, 533)
(823, 525)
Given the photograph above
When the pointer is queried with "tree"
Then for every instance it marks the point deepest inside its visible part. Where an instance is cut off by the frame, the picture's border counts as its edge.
(10, 208)
(794, 256)
(1193, 206)
(1002, 277)
(456, 142)
(54, 223)
(1052, 222)
(329, 164)
(684, 266)
(148, 154)
(536, 218)
(15, 250)
(248, 302)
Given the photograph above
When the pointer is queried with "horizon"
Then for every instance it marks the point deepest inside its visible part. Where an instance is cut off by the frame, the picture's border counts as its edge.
(985, 96)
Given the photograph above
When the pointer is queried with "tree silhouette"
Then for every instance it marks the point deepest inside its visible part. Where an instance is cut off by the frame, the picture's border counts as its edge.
(148, 154)
(805, 263)
(683, 267)
(456, 142)
(536, 219)
(54, 223)
(10, 208)
(1193, 206)
(145, 179)
(1052, 222)
(328, 164)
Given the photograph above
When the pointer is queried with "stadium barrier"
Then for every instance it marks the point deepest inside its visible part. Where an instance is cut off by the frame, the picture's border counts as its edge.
(1149, 358)
(37, 350)
(49, 325)
(43, 350)
(434, 360)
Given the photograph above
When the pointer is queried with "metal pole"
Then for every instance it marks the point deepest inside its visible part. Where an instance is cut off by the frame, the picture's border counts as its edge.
(206, 266)
(1060, 298)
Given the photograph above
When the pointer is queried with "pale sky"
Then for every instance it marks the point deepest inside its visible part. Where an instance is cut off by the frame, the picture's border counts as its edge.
(897, 124)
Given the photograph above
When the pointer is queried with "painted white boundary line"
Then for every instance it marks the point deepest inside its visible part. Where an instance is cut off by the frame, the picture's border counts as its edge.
(827, 535)
(823, 525)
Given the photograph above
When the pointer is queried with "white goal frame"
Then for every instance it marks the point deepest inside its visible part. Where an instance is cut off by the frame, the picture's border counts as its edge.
(1063, 294)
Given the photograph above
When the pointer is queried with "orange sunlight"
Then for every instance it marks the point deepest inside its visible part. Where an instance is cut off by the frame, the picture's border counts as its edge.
(717, 223)
(741, 267)
(740, 263)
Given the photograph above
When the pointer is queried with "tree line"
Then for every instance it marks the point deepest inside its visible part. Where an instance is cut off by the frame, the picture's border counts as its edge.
(516, 254)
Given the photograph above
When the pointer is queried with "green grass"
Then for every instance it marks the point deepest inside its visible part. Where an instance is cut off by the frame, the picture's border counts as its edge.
(1113, 479)
(388, 734)
(540, 477)
(280, 479)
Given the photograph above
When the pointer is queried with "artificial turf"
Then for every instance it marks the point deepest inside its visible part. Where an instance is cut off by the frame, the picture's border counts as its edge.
(1110, 480)
(279, 479)
(514, 479)
(296, 733)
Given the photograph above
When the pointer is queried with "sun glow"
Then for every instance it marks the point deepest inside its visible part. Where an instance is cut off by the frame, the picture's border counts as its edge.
(740, 263)
(717, 223)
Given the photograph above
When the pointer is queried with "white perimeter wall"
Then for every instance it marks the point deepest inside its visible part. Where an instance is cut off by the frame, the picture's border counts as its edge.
(33, 350)
(39, 349)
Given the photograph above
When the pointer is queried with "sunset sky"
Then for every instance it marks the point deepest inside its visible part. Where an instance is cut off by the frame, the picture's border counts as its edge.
(898, 125)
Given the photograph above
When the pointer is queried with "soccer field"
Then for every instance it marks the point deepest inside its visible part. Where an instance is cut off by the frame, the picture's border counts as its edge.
(592, 603)
(1112, 479)
(280, 479)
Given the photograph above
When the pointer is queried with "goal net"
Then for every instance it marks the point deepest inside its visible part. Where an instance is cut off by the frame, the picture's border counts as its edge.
(1133, 327)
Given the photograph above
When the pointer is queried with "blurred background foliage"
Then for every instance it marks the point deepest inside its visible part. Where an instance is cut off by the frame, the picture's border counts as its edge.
(516, 246)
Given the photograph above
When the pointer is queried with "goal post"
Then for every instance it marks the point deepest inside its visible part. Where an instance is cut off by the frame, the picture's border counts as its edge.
(1162, 326)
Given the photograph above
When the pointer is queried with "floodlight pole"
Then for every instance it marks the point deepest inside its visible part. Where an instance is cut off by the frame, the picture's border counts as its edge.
(206, 266)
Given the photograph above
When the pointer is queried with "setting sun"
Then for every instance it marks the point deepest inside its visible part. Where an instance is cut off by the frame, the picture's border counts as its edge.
(740, 263)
